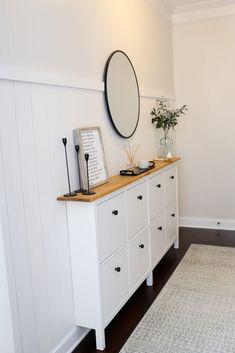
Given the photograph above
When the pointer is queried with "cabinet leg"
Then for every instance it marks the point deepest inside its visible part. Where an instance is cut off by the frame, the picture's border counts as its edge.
(100, 339)
(149, 280)
(176, 243)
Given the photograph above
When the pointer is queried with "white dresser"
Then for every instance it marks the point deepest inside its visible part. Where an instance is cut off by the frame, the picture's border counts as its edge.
(117, 239)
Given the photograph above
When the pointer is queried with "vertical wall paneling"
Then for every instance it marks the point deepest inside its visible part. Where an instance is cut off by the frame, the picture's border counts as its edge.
(65, 124)
(33, 164)
(32, 212)
(55, 180)
(43, 153)
(6, 328)
(6, 109)
(45, 112)
(17, 224)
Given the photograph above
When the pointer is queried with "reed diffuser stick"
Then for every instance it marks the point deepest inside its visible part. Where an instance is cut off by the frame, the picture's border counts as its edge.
(130, 152)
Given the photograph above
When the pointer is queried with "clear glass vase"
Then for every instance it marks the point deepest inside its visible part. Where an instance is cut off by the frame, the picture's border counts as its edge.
(166, 145)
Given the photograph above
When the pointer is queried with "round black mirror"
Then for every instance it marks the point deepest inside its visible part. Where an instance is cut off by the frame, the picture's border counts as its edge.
(122, 94)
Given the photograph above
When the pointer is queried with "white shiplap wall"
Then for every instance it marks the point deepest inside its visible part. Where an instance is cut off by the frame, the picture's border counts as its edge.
(33, 119)
(33, 171)
(6, 327)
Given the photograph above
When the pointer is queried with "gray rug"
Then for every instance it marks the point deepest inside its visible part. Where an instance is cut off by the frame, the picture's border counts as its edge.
(195, 311)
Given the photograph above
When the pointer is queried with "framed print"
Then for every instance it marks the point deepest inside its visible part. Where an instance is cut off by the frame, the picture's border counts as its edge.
(90, 142)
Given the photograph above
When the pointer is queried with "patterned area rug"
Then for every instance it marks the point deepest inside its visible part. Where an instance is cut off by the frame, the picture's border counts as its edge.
(195, 311)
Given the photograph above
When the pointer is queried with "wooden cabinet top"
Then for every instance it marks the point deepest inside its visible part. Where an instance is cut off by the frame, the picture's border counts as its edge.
(116, 182)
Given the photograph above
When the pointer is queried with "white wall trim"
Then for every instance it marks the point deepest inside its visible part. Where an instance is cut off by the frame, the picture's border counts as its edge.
(70, 342)
(202, 12)
(164, 7)
(150, 93)
(48, 78)
(193, 12)
(53, 79)
(209, 223)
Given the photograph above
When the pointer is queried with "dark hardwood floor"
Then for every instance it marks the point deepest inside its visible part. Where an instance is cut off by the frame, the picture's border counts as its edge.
(126, 320)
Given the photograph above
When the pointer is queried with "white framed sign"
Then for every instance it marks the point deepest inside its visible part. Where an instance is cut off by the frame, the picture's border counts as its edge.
(90, 142)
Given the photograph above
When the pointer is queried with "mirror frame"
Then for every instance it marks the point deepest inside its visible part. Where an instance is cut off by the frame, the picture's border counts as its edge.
(106, 93)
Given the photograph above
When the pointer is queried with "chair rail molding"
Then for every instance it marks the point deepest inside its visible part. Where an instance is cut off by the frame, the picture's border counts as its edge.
(48, 78)
(151, 93)
(12, 73)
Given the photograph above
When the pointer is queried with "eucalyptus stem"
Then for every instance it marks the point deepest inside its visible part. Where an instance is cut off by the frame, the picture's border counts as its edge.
(163, 117)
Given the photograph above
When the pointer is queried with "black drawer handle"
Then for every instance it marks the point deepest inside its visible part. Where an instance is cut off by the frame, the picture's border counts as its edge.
(118, 269)
(173, 215)
(160, 228)
(140, 197)
(172, 177)
(158, 185)
(115, 212)
(141, 246)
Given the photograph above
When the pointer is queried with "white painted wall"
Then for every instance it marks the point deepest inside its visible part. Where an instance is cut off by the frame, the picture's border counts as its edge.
(71, 39)
(75, 38)
(204, 56)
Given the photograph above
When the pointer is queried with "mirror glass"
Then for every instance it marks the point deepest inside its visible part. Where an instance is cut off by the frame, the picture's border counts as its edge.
(122, 94)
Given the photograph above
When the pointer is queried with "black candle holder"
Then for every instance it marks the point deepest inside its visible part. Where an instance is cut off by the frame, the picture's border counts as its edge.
(88, 191)
(79, 172)
(69, 194)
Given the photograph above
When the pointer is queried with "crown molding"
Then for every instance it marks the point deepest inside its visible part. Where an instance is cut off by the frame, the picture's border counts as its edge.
(164, 7)
(202, 11)
(193, 12)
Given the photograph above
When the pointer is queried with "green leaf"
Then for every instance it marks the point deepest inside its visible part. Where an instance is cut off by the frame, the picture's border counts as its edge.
(165, 118)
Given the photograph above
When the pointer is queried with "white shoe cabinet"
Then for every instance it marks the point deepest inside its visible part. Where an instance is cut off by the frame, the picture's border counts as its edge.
(117, 240)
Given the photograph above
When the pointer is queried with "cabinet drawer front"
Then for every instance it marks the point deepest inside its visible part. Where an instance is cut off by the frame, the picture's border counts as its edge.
(139, 257)
(137, 208)
(170, 184)
(157, 240)
(156, 195)
(112, 231)
(115, 286)
(171, 224)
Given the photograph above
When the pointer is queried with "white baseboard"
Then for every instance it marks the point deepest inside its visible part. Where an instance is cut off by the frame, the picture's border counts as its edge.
(71, 340)
(209, 223)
